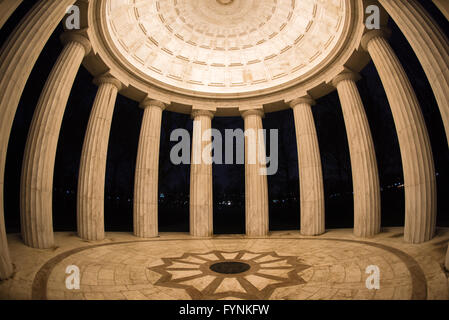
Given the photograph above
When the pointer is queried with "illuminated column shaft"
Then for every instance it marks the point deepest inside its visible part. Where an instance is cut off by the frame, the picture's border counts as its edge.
(430, 44)
(365, 178)
(256, 185)
(40, 150)
(201, 193)
(416, 153)
(147, 171)
(17, 58)
(7, 8)
(90, 205)
(310, 171)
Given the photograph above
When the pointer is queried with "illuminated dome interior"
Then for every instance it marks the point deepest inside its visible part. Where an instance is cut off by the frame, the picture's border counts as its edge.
(224, 46)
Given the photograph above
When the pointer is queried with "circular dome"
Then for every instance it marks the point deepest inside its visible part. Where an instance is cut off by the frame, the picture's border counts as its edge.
(224, 46)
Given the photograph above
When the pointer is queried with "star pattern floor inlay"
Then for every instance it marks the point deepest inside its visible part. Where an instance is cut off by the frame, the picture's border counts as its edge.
(267, 271)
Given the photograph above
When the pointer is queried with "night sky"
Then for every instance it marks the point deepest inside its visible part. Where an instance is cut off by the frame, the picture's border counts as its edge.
(228, 182)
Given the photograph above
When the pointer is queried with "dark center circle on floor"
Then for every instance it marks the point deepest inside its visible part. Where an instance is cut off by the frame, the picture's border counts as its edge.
(230, 267)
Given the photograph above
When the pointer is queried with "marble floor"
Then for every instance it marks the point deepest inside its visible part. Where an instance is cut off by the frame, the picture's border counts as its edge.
(284, 265)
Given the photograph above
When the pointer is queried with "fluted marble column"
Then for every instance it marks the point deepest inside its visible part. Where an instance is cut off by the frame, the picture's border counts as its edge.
(443, 5)
(416, 153)
(201, 193)
(430, 44)
(365, 178)
(90, 201)
(256, 184)
(147, 171)
(7, 8)
(40, 150)
(17, 58)
(310, 171)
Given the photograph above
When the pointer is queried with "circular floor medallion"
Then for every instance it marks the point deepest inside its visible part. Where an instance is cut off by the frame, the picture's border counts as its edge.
(232, 267)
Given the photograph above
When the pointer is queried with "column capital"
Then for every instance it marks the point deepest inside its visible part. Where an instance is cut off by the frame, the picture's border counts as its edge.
(250, 111)
(302, 100)
(198, 112)
(377, 33)
(147, 102)
(103, 79)
(346, 75)
(77, 36)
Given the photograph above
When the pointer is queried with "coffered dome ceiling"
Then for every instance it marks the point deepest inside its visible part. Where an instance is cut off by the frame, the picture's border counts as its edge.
(224, 46)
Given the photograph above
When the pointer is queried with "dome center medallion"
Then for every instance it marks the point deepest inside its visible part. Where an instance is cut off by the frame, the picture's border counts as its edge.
(225, 2)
